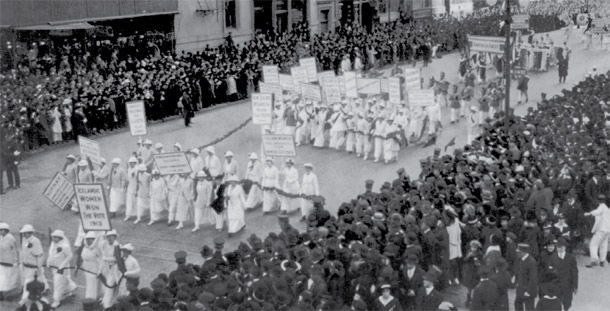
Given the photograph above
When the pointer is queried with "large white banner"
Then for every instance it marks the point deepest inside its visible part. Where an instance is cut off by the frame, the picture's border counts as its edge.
(412, 78)
(421, 97)
(268, 88)
(486, 44)
(136, 115)
(90, 149)
(59, 191)
(279, 146)
(262, 108)
(311, 91)
(325, 74)
(286, 82)
(385, 87)
(394, 90)
(172, 163)
(351, 88)
(299, 74)
(92, 207)
(312, 68)
(270, 74)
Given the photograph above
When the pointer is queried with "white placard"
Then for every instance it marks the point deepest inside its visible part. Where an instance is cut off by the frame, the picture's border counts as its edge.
(90, 149)
(92, 207)
(333, 94)
(59, 191)
(520, 21)
(342, 84)
(486, 44)
(368, 86)
(172, 163)
(385, 88)
(262, 108)
(312, 68)
(311, 91)
(351, 88)
(412, 78)
(325, 74)
(268, 88)
(299, 74)
(271, 74)
(279, 146)
(286, 82)
(136, 115)
(394, 90)
(421, 97)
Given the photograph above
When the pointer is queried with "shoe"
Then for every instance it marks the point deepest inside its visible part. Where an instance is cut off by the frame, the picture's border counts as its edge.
(150, 223)
(601, 264)
(592, 264)
(126, 218)
(55, 304)
(180, 226)
(456, 281)
(137, 221)
(195, 229)
(17, 187)
(169, 223)
(365, 157)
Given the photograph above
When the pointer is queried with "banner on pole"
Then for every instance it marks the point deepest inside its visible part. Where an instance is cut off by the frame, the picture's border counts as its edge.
(299, 74)
(312, 68)
(279, 146)
(268, 88)
(60, 191)
(262, 108)
(520, 22)
(172, 163)
(412, 78)
(92, 207)
(486, 44)
(421, 97)
(136, 115)
(394, 90)
(311, 91)
(286, 82)
(90, 149)
(271, 74)
(351, 87)
(368, 86)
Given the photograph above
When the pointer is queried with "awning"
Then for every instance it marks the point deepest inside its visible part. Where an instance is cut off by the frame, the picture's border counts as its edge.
(70, 26)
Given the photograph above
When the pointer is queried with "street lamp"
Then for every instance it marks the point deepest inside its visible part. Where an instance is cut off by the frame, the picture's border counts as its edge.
(507, 62)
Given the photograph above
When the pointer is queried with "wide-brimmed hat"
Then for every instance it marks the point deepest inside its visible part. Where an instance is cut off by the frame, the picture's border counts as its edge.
(26, 228)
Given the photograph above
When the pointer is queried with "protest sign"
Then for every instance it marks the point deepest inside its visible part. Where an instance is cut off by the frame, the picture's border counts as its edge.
(368, 86)
(341, 84)
(286, 82)
(486, 44)
(172, 163)
(394, 90)
(136, 114)
(299, 74)
(311, 91)
(600, 25)
(333, 94)
(90, 149)
(312, 69)
(520, 22)
(279, 146)
(270, 74)
(92, 207)
(325, 74)
(412, 78)
(384, 85)
(262, 108)
(59, 191)
(351, 88)
(421, 97)
(268, 88)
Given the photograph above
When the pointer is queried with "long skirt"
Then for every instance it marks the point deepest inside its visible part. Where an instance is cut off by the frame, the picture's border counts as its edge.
(319, 139)
(131, 203)
(350, 141)
(117, 199)
(388, 149)
(359, 143)
(290, 204)
(306, 207)
(173, 204)
(378, 147)
(269, 200)
(182, 212)
(236, 218)
(143, 204)
(219, 219)
(63, 285)
(57, 136)
(255, 197)
(204, 215)
(10, 278)
(93, 286)
(156, 207)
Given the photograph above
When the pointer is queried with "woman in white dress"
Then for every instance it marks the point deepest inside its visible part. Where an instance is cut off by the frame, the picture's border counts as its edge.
(10, 276)
(254, 174)
(185, 199)
(142, 192)
(291, 187)
(271, 182)
(158, 196)
(203, 195)
(172, 196)
(91, 256)
(132, 181)
(56, 128)
(60, 255)
(230, 167)
(318, 127)
(236, 202)
(309, 187)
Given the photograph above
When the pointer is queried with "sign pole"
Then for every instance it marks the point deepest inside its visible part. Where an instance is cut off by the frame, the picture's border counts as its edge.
(507, 62)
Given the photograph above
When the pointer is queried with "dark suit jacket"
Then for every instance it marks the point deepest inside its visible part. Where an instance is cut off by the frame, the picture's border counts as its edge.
(567, 271)
(526, 276)
(484, 296)
(591, 194)
(415, 283)
(428, 302)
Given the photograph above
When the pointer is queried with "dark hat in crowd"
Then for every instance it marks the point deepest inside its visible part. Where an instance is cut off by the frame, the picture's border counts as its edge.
(180, 256)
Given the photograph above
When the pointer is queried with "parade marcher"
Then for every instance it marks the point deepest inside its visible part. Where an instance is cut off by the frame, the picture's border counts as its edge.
(270, 183)
(567, 272)
(60, 256)
(230, 167)
(109, 273)
(391, 135)
(319, 126)
(337, 127)
(147, 155)
(219, 203)
(185, 199)
(31, 258)
(526, 278)
(132, 270)
(378, 131)
(102, 174)
(522, 86)
(473, 125)
(236, 202)
(291, 187)
(158, 196)
(454, 104)
(132, 185)
(91, 264)
(143, 180)
(350, 136)
(84, 174)
(203, 214)
(598, 247)
(173, 186)
(196, 162)
(117, 185)
(309, 188)
(212, 162)
(10, 275)
(254, 174)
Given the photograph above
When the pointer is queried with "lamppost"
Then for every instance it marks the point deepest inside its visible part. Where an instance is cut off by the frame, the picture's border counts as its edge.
(507, 61)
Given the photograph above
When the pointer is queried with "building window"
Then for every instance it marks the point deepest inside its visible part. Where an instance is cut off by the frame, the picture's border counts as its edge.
(230, 14)
(324, 20)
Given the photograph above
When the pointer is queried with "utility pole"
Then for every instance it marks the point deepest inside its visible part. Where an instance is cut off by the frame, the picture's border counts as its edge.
(507, 59)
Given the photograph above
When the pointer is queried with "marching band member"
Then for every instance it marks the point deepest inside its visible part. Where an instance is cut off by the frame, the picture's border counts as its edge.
(254, 174)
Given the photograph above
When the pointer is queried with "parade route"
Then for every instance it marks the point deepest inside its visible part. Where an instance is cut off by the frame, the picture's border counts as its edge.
(341, 176)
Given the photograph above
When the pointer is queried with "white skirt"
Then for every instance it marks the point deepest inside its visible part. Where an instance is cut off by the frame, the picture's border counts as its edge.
(254, 197)
(10, 278)
(117, 199)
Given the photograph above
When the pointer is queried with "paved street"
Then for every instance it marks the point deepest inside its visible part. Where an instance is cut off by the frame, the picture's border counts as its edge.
(341, 177)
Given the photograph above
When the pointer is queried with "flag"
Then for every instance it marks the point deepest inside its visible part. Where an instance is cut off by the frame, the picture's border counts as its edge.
(451, 143)
(430, 142)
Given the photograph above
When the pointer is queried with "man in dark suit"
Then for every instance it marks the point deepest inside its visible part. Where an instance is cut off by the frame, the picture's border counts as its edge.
(526, 273)
(485, 294)
(412, 279)
(567, 271)
(430, 247)
(592, 192)
(428, 298)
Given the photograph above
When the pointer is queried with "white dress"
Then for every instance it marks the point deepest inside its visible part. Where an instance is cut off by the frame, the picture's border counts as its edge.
(118, 180)
(132, 178)
(309, 186)
(185, 199)
(378, 139)
(172, 195)
(254, 173)
(10, 277)
(31, 260)
(212, 163)
(271, 182)
(318, 129)
(56, 128)
(60, 255)
(158, 198)
(92, 263)
(291, 187)
(236, 201)
(204, 215)
(230, 169)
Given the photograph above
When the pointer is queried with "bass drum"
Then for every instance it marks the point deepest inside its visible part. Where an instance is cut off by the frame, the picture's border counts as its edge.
(582, 19)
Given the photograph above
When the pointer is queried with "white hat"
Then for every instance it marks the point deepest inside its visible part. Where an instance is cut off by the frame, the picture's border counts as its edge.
(201, 174)
(252, 156)
(148, 142)
(111, 232)
(155, 172)
(4, 226)
(195, 151)
(58, 234)
(103, 160)
(141, 167)
(26, 228)
(290, 161)
(228, 154)
(474, 108)
(158, 145)
(178, 146)
(82, 162)
(90, 235)
(210, 149)
(233, 178)
(127, 246)
(132, 160)
(267, 159)
(116, 160)
(308, 165)
(71, 156)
